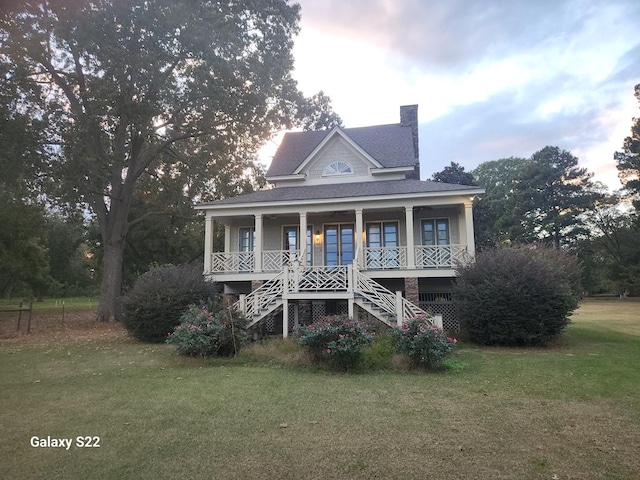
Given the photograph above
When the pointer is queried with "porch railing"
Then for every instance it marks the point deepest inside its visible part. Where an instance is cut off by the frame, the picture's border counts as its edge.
(385, 258)
(440, 256)
(375, 258)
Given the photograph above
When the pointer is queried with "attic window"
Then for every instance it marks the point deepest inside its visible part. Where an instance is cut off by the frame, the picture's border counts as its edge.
(338, 168)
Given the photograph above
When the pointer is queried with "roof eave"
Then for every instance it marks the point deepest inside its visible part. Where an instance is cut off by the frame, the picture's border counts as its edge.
(471, 192)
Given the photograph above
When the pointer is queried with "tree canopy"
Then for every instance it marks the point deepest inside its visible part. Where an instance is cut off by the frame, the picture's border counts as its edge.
(454, 173)
(628, 160)
(136, 91)
(538, 199)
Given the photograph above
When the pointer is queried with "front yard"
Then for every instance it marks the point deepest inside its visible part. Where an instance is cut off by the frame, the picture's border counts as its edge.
(567, 411)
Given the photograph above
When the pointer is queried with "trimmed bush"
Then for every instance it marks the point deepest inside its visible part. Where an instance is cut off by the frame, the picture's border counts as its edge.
(517, 296)
(336, 342)
(425, 344)
(153, 307)
(205, 333)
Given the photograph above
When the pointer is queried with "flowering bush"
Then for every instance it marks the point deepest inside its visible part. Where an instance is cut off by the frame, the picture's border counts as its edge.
(203, 333)
(425, 344)
(337, 341)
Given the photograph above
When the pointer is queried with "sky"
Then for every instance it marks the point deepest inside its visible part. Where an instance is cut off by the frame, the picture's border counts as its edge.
(492, 78)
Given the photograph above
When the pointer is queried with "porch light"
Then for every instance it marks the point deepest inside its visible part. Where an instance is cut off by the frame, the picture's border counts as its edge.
(316, 237)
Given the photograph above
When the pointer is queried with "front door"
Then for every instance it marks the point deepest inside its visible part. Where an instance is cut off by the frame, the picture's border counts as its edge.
(339, 244)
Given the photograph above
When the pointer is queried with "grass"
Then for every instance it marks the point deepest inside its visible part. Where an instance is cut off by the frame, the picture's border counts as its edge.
(54, 304)
(567, 411)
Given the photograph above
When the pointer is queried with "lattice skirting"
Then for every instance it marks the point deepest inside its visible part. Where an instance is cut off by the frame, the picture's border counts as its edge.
(440, 303)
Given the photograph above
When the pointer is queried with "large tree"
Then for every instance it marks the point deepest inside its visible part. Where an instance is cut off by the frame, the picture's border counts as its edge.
(495, 214)
(628, 160)
(454, 173)
(540, 199)
(146, 89)
(23, 264)
(552, 193)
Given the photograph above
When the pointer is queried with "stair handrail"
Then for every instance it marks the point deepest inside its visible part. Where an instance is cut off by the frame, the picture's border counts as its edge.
(385, 299)
(262, 296)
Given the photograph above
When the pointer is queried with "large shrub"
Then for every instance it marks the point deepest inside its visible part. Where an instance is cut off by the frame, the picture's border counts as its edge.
(336, 342)
(517, 296)
(153, 307)
(425, 344)
(205, 332)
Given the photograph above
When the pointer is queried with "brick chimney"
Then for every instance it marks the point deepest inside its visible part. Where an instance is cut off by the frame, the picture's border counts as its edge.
(409, 118)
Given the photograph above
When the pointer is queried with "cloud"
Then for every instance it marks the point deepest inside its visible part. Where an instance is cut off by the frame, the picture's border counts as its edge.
(493, 79)
(508, 124)
(449, 34)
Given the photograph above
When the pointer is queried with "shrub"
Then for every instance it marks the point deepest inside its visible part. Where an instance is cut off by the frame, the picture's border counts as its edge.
(338, 341)
(425, 344)
(517, 296)
(204, 333)
(153, 307)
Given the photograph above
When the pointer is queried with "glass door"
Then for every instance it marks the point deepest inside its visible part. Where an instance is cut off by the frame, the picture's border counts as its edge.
(339, 244)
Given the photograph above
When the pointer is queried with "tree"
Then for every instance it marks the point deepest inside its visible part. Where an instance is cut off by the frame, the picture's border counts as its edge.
(23, 265)
(139, 90)
(628, 160)
(495, 215)
(552, 193)
(317, 113)
(540, 199)
(454, 173)
(610, 253)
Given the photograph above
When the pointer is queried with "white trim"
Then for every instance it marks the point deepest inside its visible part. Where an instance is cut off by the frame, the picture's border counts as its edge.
(382, 171)
(348, 203)
(286, 178)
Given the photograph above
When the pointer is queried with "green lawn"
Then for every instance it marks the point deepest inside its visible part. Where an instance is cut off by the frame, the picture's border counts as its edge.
(567, 411)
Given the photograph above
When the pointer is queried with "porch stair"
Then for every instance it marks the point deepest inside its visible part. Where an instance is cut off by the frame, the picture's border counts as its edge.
(300, 282)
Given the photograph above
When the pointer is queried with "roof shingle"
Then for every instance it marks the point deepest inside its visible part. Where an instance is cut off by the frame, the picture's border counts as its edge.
(390, 145)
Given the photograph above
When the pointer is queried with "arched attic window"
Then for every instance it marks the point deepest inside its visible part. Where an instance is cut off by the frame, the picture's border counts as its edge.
(338, 168)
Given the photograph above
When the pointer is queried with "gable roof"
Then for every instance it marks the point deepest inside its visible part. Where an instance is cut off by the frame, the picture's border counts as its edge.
(344, 190)
(389, 145)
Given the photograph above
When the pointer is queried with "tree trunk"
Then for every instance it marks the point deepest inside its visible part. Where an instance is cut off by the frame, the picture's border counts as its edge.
(110, 289)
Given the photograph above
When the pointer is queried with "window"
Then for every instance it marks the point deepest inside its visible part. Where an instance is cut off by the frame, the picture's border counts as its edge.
(435, 232)
(338, 168)
(247, 237)
(339, 244)
(291, 240)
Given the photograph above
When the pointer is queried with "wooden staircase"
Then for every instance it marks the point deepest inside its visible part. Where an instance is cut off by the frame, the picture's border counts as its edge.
(297, 282)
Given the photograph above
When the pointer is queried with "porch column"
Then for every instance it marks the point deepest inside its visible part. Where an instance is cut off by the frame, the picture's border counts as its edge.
(468, 223)
(227, 238)
(359, 242)
(257, 266)
(303, 238)
(411, 251)
(208, 243)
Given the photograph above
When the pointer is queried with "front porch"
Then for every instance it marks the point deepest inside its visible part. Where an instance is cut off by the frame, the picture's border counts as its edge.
(428, 240)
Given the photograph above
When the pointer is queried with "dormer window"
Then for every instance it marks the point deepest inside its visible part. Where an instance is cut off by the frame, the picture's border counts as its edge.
(338, 168)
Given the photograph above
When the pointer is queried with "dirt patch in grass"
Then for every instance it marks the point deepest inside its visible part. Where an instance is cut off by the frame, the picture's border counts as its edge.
(52, 328)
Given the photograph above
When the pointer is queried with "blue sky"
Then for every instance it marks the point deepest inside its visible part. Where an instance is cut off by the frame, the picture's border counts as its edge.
(493, 78)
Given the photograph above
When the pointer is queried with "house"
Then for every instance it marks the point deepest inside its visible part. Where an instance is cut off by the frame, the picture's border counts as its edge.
(347, 227)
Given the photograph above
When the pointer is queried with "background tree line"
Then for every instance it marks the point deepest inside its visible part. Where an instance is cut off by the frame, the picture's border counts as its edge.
(549, 199)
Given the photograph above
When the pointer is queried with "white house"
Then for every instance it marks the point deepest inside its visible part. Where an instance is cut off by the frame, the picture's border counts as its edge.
(347, 227)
